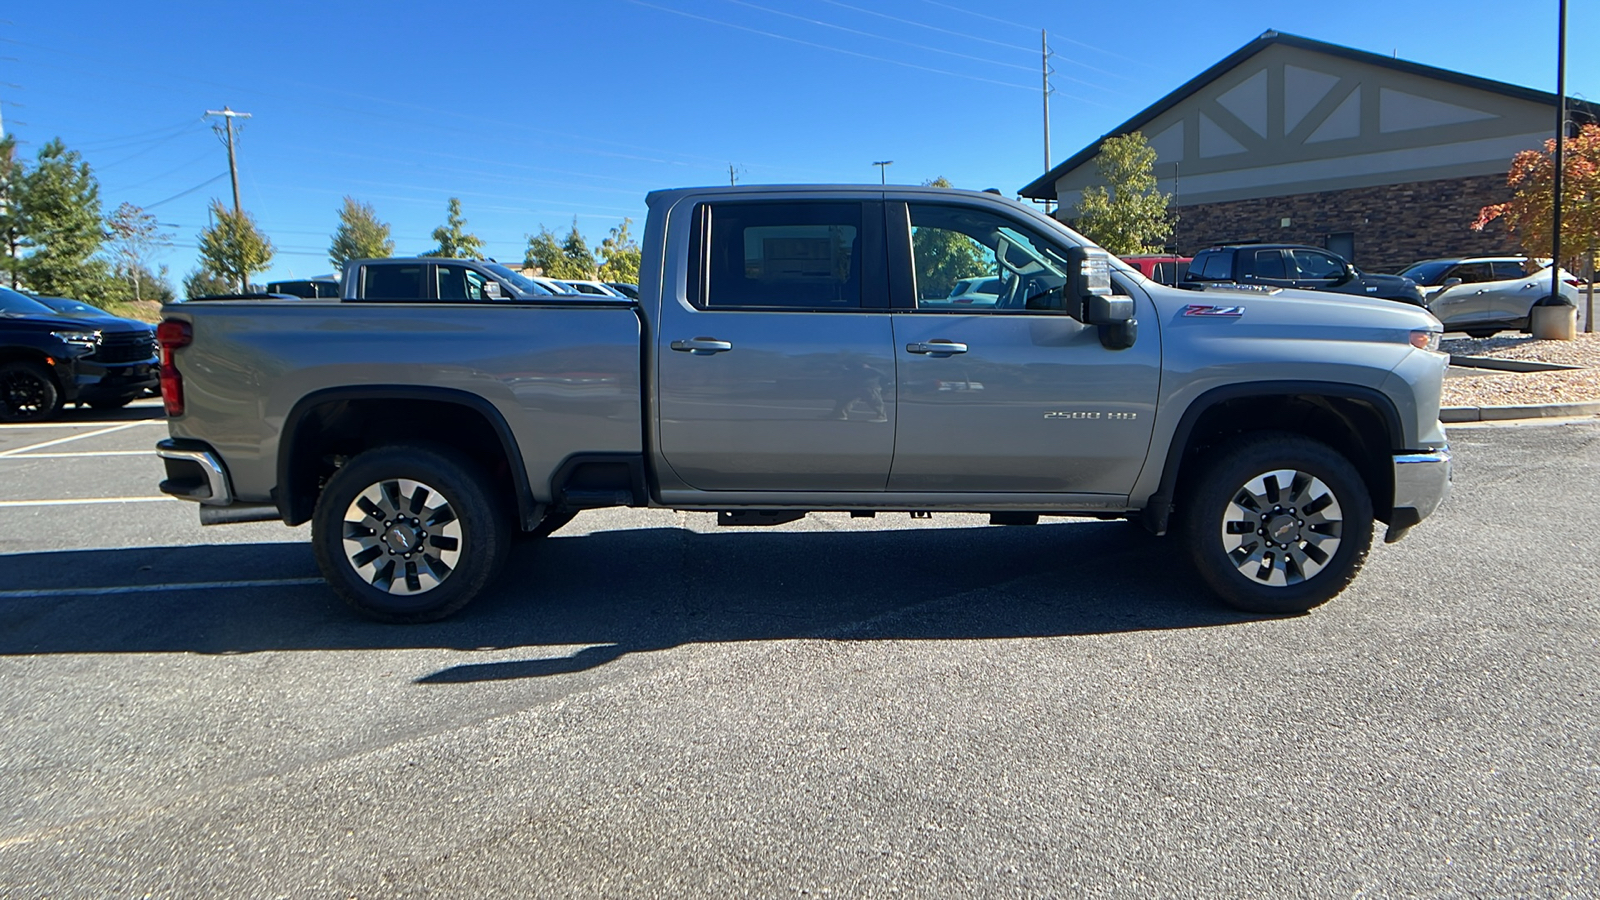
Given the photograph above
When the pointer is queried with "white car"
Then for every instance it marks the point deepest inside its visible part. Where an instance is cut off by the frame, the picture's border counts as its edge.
(579, 286)
(982, 290)
(1482, 295)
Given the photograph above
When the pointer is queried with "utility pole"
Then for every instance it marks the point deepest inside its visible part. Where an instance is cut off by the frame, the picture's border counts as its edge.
(1044, 74)
(228, 116)
(883, 167)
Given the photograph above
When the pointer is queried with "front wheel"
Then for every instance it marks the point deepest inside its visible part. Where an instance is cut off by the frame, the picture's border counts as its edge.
(409, 533)
(1277, 523)
(28, 393)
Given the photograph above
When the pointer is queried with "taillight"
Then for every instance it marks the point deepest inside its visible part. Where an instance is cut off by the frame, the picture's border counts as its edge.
(172, 334)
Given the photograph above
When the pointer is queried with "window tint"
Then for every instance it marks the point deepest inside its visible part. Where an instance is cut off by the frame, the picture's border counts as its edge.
(1471, 273)
(1215, 266)
(1311, 264)
(1507, 270)
(18, 304)
(970, 259)
(792, 255)
(391, 282)
(460, 283)
(1269, 264)
(1427, 272)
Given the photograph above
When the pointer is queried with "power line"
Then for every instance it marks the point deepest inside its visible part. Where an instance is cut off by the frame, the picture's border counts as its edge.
(784, 37)
(186, 193)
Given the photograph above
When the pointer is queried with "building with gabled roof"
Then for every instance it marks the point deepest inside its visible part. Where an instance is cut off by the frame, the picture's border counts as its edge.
(1290, 139)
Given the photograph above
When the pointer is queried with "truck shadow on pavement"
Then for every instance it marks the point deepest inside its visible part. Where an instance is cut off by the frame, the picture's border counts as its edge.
(633, 591)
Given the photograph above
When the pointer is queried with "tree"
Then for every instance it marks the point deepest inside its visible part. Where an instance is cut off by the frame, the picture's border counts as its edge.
(943, 257)
(1126, 215)
(360, 235)
(202, 283)
(560, 259)
(453, 240)
(576, 250)
(60, 211)
(11, 181)
(232, 248)
(1529, 213)
(620, 255)
(133, 234)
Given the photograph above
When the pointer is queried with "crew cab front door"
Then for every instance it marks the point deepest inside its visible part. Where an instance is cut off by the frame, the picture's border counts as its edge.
(775, 366)
(1015, 397)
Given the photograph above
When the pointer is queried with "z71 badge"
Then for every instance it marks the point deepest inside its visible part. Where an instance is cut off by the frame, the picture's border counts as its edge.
(1204, 309)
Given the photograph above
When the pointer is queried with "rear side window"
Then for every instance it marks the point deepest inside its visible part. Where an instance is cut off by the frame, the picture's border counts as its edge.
(1269, 264)
(391, 282)
(1214, 266)
(784, 255)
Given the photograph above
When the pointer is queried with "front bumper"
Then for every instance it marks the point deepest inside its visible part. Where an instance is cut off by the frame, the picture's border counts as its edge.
(1421, 483)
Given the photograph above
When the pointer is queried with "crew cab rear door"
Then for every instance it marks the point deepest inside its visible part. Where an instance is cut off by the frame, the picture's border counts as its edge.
(1017, 397)
(775, 367)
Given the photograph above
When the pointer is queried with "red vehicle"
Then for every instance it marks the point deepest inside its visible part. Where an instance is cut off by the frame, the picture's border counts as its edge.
(1162, 268)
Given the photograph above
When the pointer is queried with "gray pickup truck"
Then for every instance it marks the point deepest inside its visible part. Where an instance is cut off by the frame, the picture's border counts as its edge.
(795, 349)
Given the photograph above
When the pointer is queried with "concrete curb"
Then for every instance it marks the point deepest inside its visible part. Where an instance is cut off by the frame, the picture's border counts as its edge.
(1456, 414)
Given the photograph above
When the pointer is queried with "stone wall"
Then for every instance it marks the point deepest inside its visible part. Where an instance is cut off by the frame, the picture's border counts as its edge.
(1392, 226)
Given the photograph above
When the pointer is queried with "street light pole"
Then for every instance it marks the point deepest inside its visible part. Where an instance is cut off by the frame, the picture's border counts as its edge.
(883, 167)
(1561, 140)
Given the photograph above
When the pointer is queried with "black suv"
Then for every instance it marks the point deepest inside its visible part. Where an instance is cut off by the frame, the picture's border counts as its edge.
(48, 359)
(1294, 266)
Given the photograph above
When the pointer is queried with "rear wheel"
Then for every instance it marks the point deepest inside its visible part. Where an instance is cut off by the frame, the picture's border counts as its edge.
(28, 393)
(1482, 332)
(409, 533)
(1277, 523)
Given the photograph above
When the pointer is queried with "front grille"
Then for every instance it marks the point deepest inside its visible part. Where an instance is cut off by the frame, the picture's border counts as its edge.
(126, 347)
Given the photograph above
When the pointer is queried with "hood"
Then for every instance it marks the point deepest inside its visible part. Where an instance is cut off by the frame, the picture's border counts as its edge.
(1353, 316)
(61, 322)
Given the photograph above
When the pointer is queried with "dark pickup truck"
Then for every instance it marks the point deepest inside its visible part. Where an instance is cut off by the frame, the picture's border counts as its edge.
(1293, 266)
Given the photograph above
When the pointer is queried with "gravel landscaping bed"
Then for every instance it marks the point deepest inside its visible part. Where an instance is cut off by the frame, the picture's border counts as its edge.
(1521, 389)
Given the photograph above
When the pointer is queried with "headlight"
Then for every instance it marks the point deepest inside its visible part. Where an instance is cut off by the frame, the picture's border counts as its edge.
(87, 340)
(1426, 339)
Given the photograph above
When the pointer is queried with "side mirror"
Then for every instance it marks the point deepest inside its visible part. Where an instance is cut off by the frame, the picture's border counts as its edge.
(1090, 269)
(491, 290)
(1451, 282)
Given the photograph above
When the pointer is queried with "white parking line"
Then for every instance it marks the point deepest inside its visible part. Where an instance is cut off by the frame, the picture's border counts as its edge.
(73, 437)
(155, 588)
(80, 454)
(6, 425)
(86, 501)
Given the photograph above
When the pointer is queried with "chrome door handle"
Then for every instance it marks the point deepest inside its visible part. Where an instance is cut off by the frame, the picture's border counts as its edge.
(937, 347)
(701, 346)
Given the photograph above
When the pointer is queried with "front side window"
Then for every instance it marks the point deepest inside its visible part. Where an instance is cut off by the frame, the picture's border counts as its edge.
(968, 259)
(1311, 264)
(783, 255)
(1472, 273)
(391, 282)
(1269, 264)
(461, 283)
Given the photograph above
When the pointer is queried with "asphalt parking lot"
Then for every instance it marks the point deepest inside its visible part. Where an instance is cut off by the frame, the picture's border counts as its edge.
(648, 705)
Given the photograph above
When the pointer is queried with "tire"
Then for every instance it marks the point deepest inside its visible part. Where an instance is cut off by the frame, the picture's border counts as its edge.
(409, 533)
(1481, 332)
(108, 405)
(28, 393)
(1322, 523)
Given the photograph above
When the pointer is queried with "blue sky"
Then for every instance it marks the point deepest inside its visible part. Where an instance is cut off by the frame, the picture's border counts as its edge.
(537, 112)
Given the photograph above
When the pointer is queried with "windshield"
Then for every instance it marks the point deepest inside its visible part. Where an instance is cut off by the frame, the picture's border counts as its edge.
(15, 304)
(63, 305)
(1427, 272)
(519, 282)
